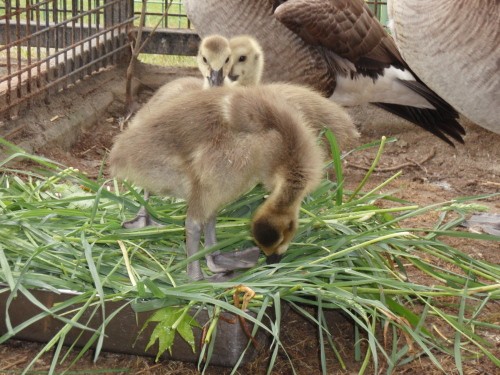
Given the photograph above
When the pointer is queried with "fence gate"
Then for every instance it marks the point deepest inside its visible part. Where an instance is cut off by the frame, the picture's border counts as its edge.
(50, 44)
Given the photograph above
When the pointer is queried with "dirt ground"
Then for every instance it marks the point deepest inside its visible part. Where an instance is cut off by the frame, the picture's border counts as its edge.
(432, 172)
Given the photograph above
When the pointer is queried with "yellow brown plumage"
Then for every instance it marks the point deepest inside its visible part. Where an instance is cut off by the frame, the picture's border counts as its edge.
(223, 143)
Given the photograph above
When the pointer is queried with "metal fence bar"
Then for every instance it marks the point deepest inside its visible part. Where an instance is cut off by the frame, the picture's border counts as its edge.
(175, 18)
(47, 45)
(379, 9)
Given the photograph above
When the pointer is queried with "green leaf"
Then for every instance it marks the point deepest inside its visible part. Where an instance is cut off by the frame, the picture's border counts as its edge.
(164, 331)
(186, 332)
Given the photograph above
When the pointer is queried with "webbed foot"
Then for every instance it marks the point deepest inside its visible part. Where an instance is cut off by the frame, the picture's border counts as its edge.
(234, 260)
(142, 220)
(484, 222)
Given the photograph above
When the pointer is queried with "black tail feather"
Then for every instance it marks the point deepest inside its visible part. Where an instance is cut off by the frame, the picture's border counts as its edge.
(441, 121)
(439, 103)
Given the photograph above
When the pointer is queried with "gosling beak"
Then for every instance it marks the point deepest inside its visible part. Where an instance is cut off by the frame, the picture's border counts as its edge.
(216, 78)
(233, 77)
(273, 258)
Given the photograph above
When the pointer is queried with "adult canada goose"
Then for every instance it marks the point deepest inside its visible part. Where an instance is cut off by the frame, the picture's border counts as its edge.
(222, 143)
(453, 46)
(336, 46)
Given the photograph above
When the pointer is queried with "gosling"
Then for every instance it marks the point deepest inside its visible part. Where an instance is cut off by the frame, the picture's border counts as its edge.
(321, 113)
(247, 61)
(209, 147)
(214, 60)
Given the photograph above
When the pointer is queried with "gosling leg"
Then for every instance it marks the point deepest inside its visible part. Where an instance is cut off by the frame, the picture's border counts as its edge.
(142, 219)
(222, 264)
(193, 235)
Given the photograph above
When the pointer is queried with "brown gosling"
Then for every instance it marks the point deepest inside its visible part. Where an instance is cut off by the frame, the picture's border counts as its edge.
(321, 113)
(214, 60)
(248, 65)
(248, 60)
(209, 147)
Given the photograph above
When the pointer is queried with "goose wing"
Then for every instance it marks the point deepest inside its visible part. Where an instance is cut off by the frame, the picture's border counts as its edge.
(348, 34)
(345, 28)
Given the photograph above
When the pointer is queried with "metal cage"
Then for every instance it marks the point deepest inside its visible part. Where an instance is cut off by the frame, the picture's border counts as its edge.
(47, 45)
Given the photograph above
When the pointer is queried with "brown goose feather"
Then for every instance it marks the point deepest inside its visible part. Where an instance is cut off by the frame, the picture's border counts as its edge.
(344, 27)
(317, 42)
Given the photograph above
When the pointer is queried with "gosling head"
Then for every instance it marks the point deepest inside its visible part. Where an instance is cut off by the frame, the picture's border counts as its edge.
(214, 60)
(273, 233)
(248, 60)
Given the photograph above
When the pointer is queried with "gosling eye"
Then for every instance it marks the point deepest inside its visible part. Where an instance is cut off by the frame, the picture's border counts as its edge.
(227, 60)
(205, 60)
(242, 58)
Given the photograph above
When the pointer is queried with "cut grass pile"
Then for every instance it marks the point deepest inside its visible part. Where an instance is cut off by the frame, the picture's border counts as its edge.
(62, 230)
